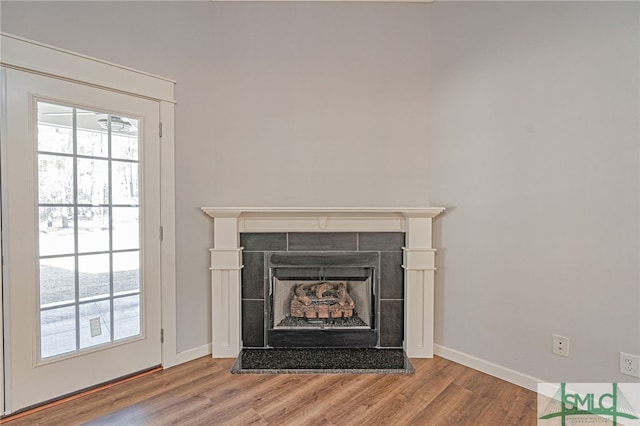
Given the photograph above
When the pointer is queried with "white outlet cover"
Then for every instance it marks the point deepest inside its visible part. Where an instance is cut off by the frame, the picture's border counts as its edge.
(560, 345)
(630, 364)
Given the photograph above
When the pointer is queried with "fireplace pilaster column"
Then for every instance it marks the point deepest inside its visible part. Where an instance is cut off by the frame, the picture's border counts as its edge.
(419, 270)
(226, 265)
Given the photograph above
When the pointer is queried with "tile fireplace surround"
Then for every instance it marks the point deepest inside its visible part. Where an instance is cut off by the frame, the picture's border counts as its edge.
(226, 262)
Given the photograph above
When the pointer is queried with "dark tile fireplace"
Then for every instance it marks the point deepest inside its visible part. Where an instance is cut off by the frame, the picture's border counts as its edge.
(247, 267)
(322, 289)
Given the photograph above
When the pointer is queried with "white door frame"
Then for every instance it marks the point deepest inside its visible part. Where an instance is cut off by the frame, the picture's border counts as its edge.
(26, 55)
(3, 136)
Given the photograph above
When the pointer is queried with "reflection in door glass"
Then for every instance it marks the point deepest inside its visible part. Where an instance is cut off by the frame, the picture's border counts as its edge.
(88, 193)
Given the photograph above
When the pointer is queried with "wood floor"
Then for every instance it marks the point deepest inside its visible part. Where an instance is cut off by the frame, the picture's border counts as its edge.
(203, 392)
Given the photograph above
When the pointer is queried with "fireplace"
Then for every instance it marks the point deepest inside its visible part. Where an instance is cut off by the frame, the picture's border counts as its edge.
(286, 277)
(332, 289)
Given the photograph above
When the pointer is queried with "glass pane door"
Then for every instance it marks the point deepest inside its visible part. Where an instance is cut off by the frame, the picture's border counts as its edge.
(89, 228)
(81, 214)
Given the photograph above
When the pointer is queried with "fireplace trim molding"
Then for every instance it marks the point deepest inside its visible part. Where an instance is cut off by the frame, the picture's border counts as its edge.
(226, 262)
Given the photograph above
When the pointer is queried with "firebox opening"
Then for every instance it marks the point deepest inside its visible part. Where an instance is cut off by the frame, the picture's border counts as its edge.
(320, 299)
(322, 303)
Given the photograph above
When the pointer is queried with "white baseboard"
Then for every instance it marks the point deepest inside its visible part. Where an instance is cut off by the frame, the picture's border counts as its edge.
(191, 354)
(487, 367)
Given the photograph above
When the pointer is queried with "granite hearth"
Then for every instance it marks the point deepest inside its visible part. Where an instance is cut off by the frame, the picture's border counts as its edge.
(322, 361)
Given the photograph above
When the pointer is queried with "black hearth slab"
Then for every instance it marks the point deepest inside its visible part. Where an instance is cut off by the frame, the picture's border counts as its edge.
(322, 361)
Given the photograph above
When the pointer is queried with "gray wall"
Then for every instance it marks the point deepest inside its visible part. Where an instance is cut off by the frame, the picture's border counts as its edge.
(528, 113)
(533, 144)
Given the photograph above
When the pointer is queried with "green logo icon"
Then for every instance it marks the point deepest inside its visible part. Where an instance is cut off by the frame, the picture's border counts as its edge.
(604, 404)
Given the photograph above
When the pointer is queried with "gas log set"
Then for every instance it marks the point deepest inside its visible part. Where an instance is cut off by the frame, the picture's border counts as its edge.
(324, 300)
(321, 304)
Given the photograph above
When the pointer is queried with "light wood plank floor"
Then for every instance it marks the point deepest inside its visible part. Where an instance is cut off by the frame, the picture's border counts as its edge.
(204, 392)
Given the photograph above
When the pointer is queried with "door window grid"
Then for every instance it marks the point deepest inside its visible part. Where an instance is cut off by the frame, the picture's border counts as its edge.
(87, 314)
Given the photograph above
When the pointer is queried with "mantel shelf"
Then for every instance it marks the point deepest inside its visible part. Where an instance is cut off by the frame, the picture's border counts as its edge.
(427, 212)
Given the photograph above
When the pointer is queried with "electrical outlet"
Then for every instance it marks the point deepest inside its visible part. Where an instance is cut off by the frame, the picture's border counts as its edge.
(630, 364)
(560, 345)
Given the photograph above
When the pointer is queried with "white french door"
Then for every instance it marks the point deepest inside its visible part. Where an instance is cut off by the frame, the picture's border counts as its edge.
(81, 220)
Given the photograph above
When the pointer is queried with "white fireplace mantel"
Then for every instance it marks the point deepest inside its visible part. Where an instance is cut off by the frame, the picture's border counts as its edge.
(226, 261)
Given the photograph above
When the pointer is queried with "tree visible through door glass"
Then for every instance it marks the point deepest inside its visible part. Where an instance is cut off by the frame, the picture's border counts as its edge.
(89, 230)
